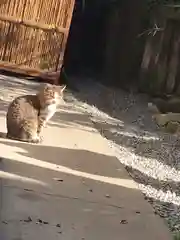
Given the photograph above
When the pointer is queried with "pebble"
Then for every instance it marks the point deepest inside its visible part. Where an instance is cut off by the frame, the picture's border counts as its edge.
(29, 219)
(39, 221)
(138, 212)
(107, 196)
(123, 221)
(58, 179)
(4, 222)
(45, 222)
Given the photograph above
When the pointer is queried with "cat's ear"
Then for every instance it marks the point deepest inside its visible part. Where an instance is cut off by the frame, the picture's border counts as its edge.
(62, 88)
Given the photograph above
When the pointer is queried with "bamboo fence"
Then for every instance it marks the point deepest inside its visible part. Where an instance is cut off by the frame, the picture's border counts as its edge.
(33, 34)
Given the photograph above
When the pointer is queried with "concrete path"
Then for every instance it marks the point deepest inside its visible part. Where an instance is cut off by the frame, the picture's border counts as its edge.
(71, 187)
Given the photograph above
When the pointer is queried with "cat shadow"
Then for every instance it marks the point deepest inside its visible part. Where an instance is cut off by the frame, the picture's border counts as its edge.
(76, 159)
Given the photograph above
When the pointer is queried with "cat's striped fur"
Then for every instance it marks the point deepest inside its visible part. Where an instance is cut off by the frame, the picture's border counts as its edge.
(28, 114)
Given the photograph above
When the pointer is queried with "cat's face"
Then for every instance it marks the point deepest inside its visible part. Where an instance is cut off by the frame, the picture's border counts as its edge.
(51, 94)
(58, 93)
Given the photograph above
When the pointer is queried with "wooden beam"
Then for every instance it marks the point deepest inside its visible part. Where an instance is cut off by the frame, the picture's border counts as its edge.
(48, 75)
(34, 24)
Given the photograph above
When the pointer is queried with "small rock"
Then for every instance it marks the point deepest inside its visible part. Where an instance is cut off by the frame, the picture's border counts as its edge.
(58, 179)
(138, 212)
(153, 108)
(29, 219)
(58, 225)
(4, 222)
(90, 190)
(45, 222)
(60, 232)
(39, 221)
(83, 181)
(123, 221)
(27, 190)
(172, 127)
(107, 196)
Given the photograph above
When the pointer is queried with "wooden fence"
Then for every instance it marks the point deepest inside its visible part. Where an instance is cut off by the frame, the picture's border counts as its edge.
(160, 70)
(33, 34)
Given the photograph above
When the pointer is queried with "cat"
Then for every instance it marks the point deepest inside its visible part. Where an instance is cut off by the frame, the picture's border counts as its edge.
(27, 115)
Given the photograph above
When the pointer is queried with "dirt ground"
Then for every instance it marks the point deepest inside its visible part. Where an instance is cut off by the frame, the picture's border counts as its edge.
(151, 156)
(74, 185)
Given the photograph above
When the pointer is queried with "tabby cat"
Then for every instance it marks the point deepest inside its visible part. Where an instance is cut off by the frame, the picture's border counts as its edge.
(28, 114)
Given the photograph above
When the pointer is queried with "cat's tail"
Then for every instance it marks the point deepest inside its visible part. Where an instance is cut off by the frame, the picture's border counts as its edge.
(3, 135)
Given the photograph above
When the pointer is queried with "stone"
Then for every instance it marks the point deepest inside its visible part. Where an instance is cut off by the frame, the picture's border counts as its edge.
(172, 127)
(163, 119)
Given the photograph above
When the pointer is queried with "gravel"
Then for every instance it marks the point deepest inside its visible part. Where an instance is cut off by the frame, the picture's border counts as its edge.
(150, 156)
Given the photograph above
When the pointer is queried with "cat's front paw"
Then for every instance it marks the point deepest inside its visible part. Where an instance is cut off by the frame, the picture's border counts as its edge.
(36, 140)
(40, 139)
